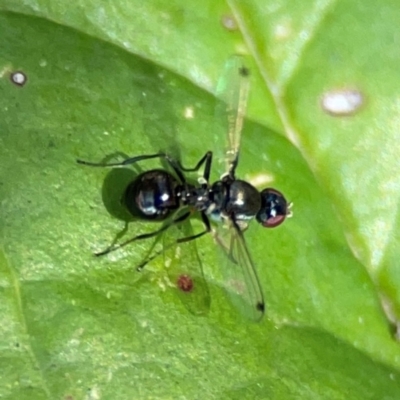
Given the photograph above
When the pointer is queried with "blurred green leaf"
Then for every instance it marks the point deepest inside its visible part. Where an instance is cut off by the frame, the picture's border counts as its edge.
(135, 77)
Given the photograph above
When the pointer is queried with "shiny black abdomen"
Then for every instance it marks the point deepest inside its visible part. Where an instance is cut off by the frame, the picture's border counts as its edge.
(244, 200)
(152, 195)
(236, 198)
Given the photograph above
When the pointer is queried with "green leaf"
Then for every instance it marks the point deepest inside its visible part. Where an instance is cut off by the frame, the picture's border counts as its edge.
(137, 77)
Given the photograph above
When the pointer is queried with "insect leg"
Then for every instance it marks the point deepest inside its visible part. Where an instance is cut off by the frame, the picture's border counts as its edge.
(181, 240)
(132, 160)
(143, 235)
(127, 161)
(207, 224)
(207, 159)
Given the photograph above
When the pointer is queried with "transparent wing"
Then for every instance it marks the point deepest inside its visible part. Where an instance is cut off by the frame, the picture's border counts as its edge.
(241, 279)
(184, 267)
(232, 94)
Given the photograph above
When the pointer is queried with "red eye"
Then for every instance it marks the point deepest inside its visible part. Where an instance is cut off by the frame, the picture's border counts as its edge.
(274, 208)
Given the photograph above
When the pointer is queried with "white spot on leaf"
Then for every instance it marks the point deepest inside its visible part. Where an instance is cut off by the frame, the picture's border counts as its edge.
(260, 180)
(19, 78)
(283, 30)
(342, 102)
(229, 22)
(93, 393)
(188, 112)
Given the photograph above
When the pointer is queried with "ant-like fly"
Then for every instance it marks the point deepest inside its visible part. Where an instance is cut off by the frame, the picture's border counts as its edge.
(167, 196)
